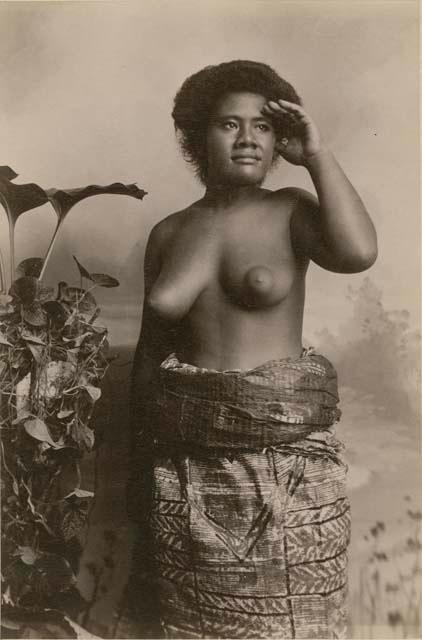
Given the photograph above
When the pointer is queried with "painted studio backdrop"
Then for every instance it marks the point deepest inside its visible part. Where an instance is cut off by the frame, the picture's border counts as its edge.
(87, 91)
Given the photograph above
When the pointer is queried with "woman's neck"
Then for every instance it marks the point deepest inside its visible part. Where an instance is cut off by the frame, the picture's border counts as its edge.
(224, 196)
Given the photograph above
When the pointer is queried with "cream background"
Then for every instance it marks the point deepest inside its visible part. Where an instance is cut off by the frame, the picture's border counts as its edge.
(87, 90)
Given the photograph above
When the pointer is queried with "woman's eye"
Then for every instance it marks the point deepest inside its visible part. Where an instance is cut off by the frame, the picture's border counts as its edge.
(229, 125)
(263, 127)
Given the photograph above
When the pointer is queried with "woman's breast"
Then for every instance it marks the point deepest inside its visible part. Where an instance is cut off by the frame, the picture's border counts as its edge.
(251, 266)
(263, 284)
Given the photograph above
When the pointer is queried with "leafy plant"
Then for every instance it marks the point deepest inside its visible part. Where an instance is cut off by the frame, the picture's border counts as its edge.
(53, 355)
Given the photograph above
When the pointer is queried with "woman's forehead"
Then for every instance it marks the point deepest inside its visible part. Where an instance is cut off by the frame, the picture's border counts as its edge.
(240, 103)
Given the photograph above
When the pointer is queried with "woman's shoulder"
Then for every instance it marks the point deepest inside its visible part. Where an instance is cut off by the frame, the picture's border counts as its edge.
(183, 224)
(163, 230)
(292, 195)
(174, 221)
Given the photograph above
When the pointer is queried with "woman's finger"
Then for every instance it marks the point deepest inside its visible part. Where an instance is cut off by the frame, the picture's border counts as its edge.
(274, 106)
(283, 104)
(278, 110)
(290, 105)
(293, 108)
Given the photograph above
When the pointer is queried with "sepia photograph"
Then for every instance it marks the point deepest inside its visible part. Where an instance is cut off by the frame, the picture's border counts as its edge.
(210, 319)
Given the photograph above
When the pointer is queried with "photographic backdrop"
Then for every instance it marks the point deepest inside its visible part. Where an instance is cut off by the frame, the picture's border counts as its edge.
(87, 91)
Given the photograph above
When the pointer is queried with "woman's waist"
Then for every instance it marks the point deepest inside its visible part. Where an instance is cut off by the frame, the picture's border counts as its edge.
(239, 343)
(308, 378)
(280, 401)
(238, 356)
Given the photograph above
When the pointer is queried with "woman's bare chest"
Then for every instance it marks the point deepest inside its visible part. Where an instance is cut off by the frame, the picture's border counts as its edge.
(249, 258)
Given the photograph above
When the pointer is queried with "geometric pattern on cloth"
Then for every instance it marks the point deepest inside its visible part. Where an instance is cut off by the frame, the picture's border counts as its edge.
(249, 522)
(292, 583)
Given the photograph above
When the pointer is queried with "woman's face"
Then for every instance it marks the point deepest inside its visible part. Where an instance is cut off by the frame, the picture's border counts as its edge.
(240, 141)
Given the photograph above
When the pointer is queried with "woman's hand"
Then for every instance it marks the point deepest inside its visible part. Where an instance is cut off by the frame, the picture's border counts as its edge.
(302, 140)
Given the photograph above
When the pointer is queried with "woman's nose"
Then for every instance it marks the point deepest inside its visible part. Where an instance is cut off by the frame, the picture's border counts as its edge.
(246, 136)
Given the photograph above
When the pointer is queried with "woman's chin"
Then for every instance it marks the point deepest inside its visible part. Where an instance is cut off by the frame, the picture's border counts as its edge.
(233, 179)
(245, 178)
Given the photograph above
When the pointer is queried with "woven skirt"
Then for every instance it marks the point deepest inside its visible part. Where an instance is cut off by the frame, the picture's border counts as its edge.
(249, 522)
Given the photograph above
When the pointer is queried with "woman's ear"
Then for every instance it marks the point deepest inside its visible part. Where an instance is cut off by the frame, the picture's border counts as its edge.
(277, 147)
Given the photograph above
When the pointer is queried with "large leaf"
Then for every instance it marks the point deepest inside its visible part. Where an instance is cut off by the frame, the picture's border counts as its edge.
(29, 337)
(64, 199)
(25, 290)
(6, 308)
(57, 571)
(30, 267)
(78, 340)
(5, 299)
(4, 340)
(84, 273)
(103, 280)
(17, 359)
(39, 430)
(29, 292)
(45, 293)
(83, 435)
(56, 313)
(35, 315)
(52, 379)
(18, 198)
(100, 279)
(73, 521)
(76, 297)
(81, 633)
(82, 493)
(27, 554)
(65, 413)
(6, 173)
(23, 403)
(37, 352)
(94, 392)
(72, 356)
(48, 624)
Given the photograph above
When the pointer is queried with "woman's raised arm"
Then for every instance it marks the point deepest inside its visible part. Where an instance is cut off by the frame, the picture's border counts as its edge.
(334, 231)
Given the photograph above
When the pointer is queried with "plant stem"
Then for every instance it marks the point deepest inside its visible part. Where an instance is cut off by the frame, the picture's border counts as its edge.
(2, 275)
(12, 247)
(50, 248)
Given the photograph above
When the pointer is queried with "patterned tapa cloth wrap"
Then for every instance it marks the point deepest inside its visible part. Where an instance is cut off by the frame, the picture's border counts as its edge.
(249, 520)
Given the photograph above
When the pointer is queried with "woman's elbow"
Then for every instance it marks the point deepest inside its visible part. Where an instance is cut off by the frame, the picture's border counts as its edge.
(363, 252)
(362, 260)
(369, 255)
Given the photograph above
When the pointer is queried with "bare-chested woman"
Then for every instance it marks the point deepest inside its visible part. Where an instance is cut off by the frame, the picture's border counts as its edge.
(247, 519)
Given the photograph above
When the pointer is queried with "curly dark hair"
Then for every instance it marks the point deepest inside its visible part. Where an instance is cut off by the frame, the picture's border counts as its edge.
(198, 96)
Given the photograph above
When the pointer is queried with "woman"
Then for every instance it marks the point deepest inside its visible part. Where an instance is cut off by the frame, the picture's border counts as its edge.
(246, 522)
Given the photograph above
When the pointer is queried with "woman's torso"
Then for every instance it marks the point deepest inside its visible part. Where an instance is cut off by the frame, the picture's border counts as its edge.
(232, 282)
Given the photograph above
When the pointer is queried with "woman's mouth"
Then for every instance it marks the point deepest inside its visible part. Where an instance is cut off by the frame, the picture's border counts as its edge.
(245, 159)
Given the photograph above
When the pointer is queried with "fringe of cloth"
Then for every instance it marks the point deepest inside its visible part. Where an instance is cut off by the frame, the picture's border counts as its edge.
(248, 524)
